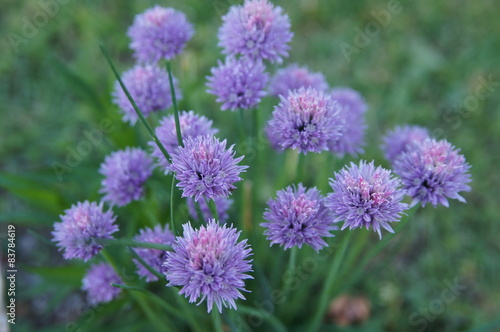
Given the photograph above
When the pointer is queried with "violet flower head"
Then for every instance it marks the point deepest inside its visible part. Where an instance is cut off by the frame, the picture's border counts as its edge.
(256, 29)
(433, 171)
(81, 228)
(125, 172)
(294, 77)
(191, 124)
(305, 120)
(159, 33)
(238, 83)
(298, 216)
(365, 195)
(211, 263)
(97, 284)
(221, 204)
(352, 112)
(400, 139)
(153, 257)
(205, 168)
(149, 87)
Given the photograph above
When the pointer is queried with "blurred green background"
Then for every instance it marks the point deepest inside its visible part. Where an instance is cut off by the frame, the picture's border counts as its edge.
(433, 64)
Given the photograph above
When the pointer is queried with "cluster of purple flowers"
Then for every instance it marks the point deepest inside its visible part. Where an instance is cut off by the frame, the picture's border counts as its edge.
(191, 125)
(209, 263)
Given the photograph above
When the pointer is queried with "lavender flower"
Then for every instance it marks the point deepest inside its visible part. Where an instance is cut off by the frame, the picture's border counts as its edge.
(433, 171)
(298, 216)
(238, 83)
(256, 29)
(294, 77)
(221, 204)
(81, 228)
(306, 120)
(153, 257)
(400, 139)
(366, 195)
(191, 124)
(125, 172)
(209, 262)
(149, 87)
(352, 110)
(204, 168)
(159, 33)
(97, 283)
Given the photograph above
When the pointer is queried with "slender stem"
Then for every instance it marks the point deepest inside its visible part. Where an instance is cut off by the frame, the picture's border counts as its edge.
(213, 209)
(172, 220)
(329, 281)
(301, 168)
(146, 265)
(275, 322)
(217, 320)
(174, 102)
(290, 271)
(134, 105)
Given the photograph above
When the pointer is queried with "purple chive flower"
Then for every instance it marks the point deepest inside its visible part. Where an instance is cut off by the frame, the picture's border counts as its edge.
(294, 77)
(222, 205)
(209, 262)
(238, 83)
(81, 227)
(433, 171)
(153, 257)
(149, 87)
(97, 283)
(205, 168)
(256, 29)
(159, 33)
(298, 216)
(125, 172)
(306, 120)
(191, 124)
(352, 110)
(400, 139)
(365, 195)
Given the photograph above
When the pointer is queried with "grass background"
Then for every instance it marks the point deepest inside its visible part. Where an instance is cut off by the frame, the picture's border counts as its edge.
(420, 69)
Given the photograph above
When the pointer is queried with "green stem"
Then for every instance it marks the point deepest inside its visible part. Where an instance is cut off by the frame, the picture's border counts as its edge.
(134, 105)
(290, 271)
(213, 208)
(275, 322)
(146, 265)
(172, 220)
(217, 320)
(174, 102)
(329, 281)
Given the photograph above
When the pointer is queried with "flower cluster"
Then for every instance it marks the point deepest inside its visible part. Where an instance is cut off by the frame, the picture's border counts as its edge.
(433, 171)
(149, 87)
(238, 83)
(401, 139)
(294, 77)
(257, 30)
(305, 120)
(298, 216)
(205, 168)
(366, 196)
(81, 228)
(191, 124)
(97, 283)
(159, 33)
(352, 111)
(153, 257)
(211, 263)
(125, 172)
